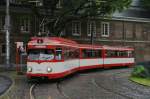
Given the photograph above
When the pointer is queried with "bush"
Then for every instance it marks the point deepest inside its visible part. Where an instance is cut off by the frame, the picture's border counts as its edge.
(141, 71)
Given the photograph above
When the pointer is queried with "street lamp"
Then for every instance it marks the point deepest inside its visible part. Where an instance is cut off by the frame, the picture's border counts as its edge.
(7, 28)
(102, 2)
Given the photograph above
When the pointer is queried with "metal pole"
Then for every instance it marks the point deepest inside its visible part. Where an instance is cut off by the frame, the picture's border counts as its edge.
(92, 38)
(7, 27)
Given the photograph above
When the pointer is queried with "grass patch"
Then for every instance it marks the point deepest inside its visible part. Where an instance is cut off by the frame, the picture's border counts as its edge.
(142, 81)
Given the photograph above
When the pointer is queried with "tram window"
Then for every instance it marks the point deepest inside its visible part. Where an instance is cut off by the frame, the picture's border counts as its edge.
(88, 53)
(58, 54)
(110, 53)
(123, 54)
(49, 52)
(130, 53)
(66, 53)
(75, 53)
(96, 53)
(71, 53)
(41, 54)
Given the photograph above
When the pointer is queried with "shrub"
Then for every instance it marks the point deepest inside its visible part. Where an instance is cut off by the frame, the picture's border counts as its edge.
(140, 71)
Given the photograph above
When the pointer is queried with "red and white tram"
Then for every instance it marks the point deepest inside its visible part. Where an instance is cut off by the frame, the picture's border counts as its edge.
(54, 57)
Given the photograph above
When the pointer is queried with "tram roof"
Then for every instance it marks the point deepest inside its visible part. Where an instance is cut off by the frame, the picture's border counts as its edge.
(87, 46)
(52, 41)
(67, 42)
(122, 48)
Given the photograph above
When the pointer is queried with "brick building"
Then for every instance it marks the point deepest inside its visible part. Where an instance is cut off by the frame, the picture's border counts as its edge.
(129, 28)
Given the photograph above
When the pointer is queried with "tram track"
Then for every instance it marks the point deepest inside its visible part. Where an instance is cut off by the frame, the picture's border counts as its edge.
(93, 81)
(126, 86)
(59, 88)
(57, 85)
(114, 78)
(32, 96)
(109, 90)
(106, 84)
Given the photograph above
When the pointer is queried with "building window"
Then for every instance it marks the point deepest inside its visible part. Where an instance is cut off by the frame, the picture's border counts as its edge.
(25, 24)
(3, 49)
(59, 4)
(16, 1)
(91, 28)
(105, 29)
(2, 22)
(13, 1)
(37, 3)
(76, 28)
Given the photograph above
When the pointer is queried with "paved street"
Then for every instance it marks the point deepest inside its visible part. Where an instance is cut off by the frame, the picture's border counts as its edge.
(96, 84)
(5, 83)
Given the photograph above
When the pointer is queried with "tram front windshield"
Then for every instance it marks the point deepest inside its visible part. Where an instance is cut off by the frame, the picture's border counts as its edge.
(41, 54)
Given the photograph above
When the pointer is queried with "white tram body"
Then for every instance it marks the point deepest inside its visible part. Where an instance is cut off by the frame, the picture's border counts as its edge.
(57, 57)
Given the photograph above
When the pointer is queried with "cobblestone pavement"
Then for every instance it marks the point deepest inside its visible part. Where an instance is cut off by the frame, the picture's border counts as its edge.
(96, 84)
(5, 83)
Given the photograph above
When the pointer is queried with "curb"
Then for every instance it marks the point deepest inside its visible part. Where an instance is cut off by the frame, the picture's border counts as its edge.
(138, 82)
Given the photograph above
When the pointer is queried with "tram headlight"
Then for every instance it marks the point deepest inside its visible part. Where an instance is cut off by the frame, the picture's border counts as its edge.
(29, 69)
(49, 69)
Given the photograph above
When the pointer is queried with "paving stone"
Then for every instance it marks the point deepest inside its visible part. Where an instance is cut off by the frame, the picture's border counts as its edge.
(5, 83)
(99, 84)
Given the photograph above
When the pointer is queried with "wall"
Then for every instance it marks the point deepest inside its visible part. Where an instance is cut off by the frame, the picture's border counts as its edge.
(122, 33)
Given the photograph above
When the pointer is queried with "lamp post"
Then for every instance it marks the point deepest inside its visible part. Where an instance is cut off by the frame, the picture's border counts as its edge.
(103, 2)
(7, 28)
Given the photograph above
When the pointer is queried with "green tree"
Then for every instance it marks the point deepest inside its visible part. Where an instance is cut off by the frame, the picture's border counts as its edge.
(59, 17)
(146, 3)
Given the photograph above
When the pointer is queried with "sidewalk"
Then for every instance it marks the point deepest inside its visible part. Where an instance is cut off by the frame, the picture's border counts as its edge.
(5, 83)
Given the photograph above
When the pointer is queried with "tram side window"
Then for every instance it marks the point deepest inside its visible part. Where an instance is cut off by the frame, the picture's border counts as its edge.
(71, 54)
(97, 53)
(110, 53)
(130, 53)
(123, 54)
(88, 53)
(66, 53)
(58, 54)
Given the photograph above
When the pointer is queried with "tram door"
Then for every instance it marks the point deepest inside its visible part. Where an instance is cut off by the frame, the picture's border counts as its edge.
(71, 57)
